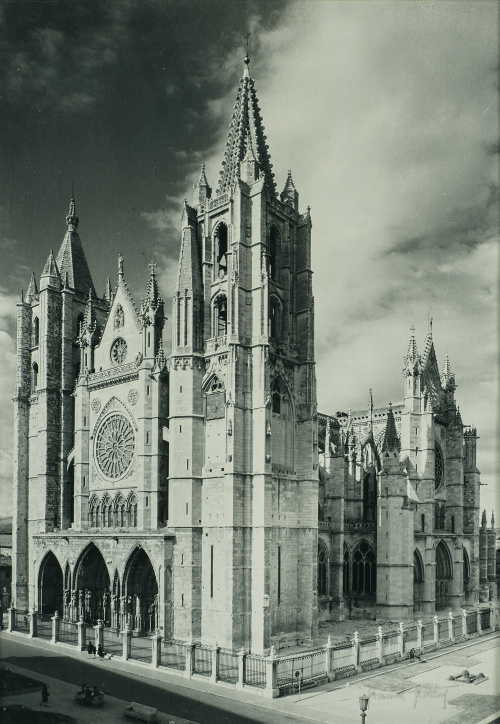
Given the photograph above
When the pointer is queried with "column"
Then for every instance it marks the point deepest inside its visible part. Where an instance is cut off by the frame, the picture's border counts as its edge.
(127, 637)
(190, 647)
(380, 645)
(493, 611)
(451, 627)
(464, 623)
(241, 668)
(156, 652)
(55, 628)
(82, 634)
(99, 635)
(401, 639)
(436, 630)
(479, 628)
(355, 651)
(419, 634)
(328, 656)
(271, 691)
(11, 618)
(33, 621)
(215, 663)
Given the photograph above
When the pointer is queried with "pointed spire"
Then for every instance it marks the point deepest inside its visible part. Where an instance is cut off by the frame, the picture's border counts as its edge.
(71, 218)
(390, 440)
(108, 291)
(201, 189)
(50, 269)
(429, 344)
(152, 298)
(71, 257)
(447, 376)
(370, 408)
(457, 420)
(289, 195)
(412, 354)
(484, 522)
(246, 130)
(32, 293)
(89, 319)
(492, 519)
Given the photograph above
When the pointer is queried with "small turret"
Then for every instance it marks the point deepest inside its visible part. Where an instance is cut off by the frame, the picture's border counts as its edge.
(290, 195)
(108, 291)
(201, 189)
(32, 293)
(152, 315)
(88, 336)
(412, 368)
(50, 275)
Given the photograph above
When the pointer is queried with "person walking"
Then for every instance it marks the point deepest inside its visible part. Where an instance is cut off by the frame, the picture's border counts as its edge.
(100, 652)
(45, 695)
(90, 649)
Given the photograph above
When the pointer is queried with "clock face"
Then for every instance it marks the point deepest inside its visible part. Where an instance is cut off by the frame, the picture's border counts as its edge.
(438, 467)
(114, 446)
(118, 351)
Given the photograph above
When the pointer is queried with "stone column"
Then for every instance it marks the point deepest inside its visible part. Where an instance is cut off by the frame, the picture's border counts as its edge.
(99, 634)
(55, 628)
(190, 647)
(401, 639)
(478, 618)
(436, 630)
(419, 634)
(464, 623)
(380, 645)
(33, 621)
(271, 691)
(11, 619)
(127, 637)
(355, 651)
(215, 663)
(82, 634)
(241, 668)
(328, 656)
(493, 611)
(451, 627)
(156, 652)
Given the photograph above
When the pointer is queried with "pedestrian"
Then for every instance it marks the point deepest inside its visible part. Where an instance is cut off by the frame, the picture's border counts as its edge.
(45, 695)
(95, 692)
(93, 651)
(100, 652)
(412, 655)
(26, 623)
(90, 649)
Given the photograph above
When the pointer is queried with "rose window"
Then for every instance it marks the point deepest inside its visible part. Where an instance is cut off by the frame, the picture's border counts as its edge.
(118, 351)
(114, 446)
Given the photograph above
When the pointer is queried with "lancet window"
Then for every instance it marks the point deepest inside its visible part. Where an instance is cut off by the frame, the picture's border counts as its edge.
(220, 316)
(364, 569)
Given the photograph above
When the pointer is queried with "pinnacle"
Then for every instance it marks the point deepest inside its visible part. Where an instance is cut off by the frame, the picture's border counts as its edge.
(50, 269)
(32, 292)
(390, 441)
(152, 298)
(246, 135)
(412, 354)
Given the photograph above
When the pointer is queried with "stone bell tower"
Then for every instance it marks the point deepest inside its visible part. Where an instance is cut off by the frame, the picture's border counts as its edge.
(243, 494)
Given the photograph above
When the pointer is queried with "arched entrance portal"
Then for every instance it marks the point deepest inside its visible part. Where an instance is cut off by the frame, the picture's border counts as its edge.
(443, 575)
(50, 586)
(92, 586)
(141, 593)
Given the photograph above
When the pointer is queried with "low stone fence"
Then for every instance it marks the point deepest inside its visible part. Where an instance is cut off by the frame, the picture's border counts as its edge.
(272, 675)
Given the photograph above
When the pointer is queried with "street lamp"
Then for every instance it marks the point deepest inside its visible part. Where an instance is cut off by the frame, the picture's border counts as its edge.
(363, 705)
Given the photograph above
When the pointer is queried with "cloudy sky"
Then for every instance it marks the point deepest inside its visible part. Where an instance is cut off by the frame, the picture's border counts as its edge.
(386, 112)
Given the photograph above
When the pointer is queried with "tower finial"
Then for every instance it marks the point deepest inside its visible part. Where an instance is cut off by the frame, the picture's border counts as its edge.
(120, 267)
(246, 72)
(71, 218)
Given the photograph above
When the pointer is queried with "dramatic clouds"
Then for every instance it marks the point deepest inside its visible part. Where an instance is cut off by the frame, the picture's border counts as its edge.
(386, 112)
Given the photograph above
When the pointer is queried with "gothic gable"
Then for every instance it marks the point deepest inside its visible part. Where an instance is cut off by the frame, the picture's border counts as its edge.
(120, 341)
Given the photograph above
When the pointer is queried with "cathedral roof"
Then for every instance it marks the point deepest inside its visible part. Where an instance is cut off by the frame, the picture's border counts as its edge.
(246, 137)
(71, 257)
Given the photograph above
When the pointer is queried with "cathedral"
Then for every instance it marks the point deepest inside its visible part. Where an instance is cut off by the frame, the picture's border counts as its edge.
(196, 491)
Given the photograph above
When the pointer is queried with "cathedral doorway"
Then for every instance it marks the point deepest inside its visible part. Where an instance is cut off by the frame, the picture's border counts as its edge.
(92, 586)
(444, 574)
(50, 586)
(141, 594)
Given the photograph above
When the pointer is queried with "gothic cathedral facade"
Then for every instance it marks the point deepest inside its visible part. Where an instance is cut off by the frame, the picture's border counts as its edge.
(196, 492)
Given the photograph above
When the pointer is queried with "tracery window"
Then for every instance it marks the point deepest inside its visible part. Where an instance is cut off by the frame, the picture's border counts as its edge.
(369, 496)
(439, 516)
(346, 570)
(132, 512)
(118, 351)
(438, 467)
(364, 569)
(114, 446)
(322, 570)
(34, 377)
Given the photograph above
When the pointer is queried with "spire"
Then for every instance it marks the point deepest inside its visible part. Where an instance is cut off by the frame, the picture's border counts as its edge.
(370, 408)
(189, 276)
(152, 299)
(120, 267)
(457, 420)
(246, 133)
(484, 522)
(447, 376)
(71, 257)
(289, 195)
(51, 269)
(201, 189)
(32, 293)
(429, 345)
(412, 355)
(390, 440)
(492, 519)
(108, 291)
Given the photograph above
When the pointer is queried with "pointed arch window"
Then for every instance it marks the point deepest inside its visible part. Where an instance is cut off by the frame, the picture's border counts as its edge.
(346, 570)
(439, 516)
(276, 395)
(274, 254)
(132, 512)
(34, 377)
(220, 316)
(322, 569)
(369, 496)
(274, 318)
(35, 332)
(220, 244)
(364, 569)
(438, 467)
